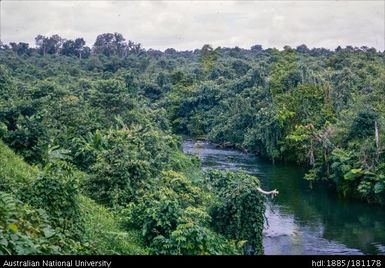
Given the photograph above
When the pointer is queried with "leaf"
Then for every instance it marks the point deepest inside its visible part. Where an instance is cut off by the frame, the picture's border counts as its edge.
(242, 243)
(48, 232)
(4, 242)
(12, 227)
(356, 171)
(379, 187)
(353, 174)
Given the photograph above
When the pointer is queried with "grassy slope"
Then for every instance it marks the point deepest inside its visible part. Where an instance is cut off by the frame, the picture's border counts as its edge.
(14, 172)
(102, 228)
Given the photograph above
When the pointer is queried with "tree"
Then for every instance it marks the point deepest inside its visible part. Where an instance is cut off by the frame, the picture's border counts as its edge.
(85, 53)
(20, 48)
(6, 84)
(41, 43)
(132, 47)
(256, 48)
(111, 44)
(57, 191)
(364, 124)
(49, 45)
(54, 44)
(344, 81)
(75, 48)
(68, 48)
(131, 159)
(302, 49)
(208, 57)
(111, 96)
(238, 212)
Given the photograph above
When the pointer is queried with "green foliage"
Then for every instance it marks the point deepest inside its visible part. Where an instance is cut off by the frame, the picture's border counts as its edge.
(238, 212)
(193, 237)
(24, 230)
(354, 174)
(111, 95)
(52, 217)
(158, 211)
(363, 124)
(29, 138)
(174, 220)
(6, 85)
(87, 149)
(133, 156)
(208, 57)
(56, 191)
(14, 172)
(111, 112)
(104, 234)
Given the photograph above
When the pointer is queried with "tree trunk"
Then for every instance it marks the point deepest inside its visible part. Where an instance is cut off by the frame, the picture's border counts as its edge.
(311, 154)
(377, 136)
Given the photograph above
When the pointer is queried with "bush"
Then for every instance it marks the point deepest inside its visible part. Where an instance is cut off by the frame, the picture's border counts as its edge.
(239, 210)
(57, 191)
(25, 230)
(363, 124)
(103, 233)
(132, 158)
(173, 219)
(192, 236)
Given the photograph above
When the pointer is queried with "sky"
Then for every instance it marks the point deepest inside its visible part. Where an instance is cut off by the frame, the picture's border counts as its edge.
(187, 25)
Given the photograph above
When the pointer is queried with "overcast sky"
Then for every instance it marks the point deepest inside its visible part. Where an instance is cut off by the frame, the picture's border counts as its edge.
(190, 24)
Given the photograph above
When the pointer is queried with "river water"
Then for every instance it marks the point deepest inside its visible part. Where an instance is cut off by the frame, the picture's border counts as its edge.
(301, 220)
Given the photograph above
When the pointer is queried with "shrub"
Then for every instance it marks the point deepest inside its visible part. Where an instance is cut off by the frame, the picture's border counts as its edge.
(25, 230)
(239, 210)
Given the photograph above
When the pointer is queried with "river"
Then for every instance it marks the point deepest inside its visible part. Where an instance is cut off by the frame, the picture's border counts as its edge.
(300, 220)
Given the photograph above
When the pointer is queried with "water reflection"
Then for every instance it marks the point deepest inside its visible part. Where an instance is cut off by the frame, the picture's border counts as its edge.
(303, 220)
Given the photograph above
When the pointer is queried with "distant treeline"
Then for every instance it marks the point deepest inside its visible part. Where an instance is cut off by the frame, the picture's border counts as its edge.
(114, 44)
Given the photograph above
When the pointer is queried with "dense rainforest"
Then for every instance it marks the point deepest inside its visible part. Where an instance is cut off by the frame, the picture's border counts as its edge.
(90, 150)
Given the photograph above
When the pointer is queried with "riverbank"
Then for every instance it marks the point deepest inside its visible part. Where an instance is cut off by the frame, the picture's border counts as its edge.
(302, 220)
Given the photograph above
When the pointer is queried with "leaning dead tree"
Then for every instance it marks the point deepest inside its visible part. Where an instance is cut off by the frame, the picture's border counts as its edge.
(271, 193)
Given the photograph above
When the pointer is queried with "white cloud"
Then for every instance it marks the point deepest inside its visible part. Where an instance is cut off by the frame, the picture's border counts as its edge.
(190, 24)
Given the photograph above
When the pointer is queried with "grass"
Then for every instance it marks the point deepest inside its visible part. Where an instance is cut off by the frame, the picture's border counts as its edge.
(105, 234)
(14, 172)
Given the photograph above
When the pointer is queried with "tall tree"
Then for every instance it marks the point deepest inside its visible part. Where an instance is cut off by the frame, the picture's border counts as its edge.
(20, 48)
(208, 57)
(75, 48)
(49, 45)
(110, 44)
